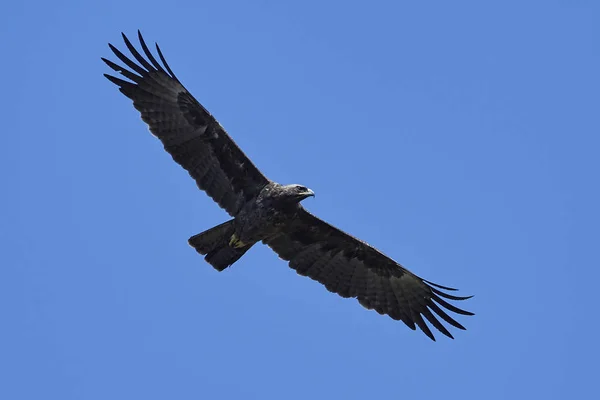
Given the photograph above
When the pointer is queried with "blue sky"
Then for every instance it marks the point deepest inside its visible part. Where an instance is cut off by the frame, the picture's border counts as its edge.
(460, 139)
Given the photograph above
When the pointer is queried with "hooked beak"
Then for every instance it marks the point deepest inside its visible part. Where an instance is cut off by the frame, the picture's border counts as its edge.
(308, 193)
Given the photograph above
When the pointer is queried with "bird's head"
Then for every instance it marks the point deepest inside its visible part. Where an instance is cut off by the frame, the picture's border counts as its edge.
(297, 193)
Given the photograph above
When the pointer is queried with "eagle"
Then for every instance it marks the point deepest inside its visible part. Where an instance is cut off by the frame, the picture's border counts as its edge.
(265, 211)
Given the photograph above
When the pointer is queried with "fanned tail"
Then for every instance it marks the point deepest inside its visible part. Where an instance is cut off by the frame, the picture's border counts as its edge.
(214, 244)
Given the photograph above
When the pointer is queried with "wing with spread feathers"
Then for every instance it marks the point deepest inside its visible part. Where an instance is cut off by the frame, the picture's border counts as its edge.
(187, 130)
(352, 268)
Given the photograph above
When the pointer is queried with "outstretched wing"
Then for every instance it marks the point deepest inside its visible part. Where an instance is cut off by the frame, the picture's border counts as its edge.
(187, 130)
(352, 268)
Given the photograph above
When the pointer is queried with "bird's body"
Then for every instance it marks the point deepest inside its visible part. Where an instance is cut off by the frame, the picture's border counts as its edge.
(266, 211)
(268, 214)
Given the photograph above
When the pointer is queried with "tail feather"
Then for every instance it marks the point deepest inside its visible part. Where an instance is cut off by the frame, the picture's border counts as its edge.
(208, 240)
(222, 257)
(214, 245)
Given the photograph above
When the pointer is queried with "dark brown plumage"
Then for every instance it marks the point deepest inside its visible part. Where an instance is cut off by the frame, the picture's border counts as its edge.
(183, 126)
(266, 211)
(352, 268)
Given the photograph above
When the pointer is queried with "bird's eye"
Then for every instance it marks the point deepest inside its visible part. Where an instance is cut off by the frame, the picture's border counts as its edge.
(302, 189)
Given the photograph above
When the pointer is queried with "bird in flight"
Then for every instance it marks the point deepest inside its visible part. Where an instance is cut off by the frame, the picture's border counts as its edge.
(265, 211)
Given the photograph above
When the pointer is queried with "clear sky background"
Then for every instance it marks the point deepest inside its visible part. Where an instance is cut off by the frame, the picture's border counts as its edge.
(461, 139)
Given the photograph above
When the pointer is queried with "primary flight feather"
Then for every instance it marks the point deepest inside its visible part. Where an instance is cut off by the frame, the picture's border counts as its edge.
(266, 211)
